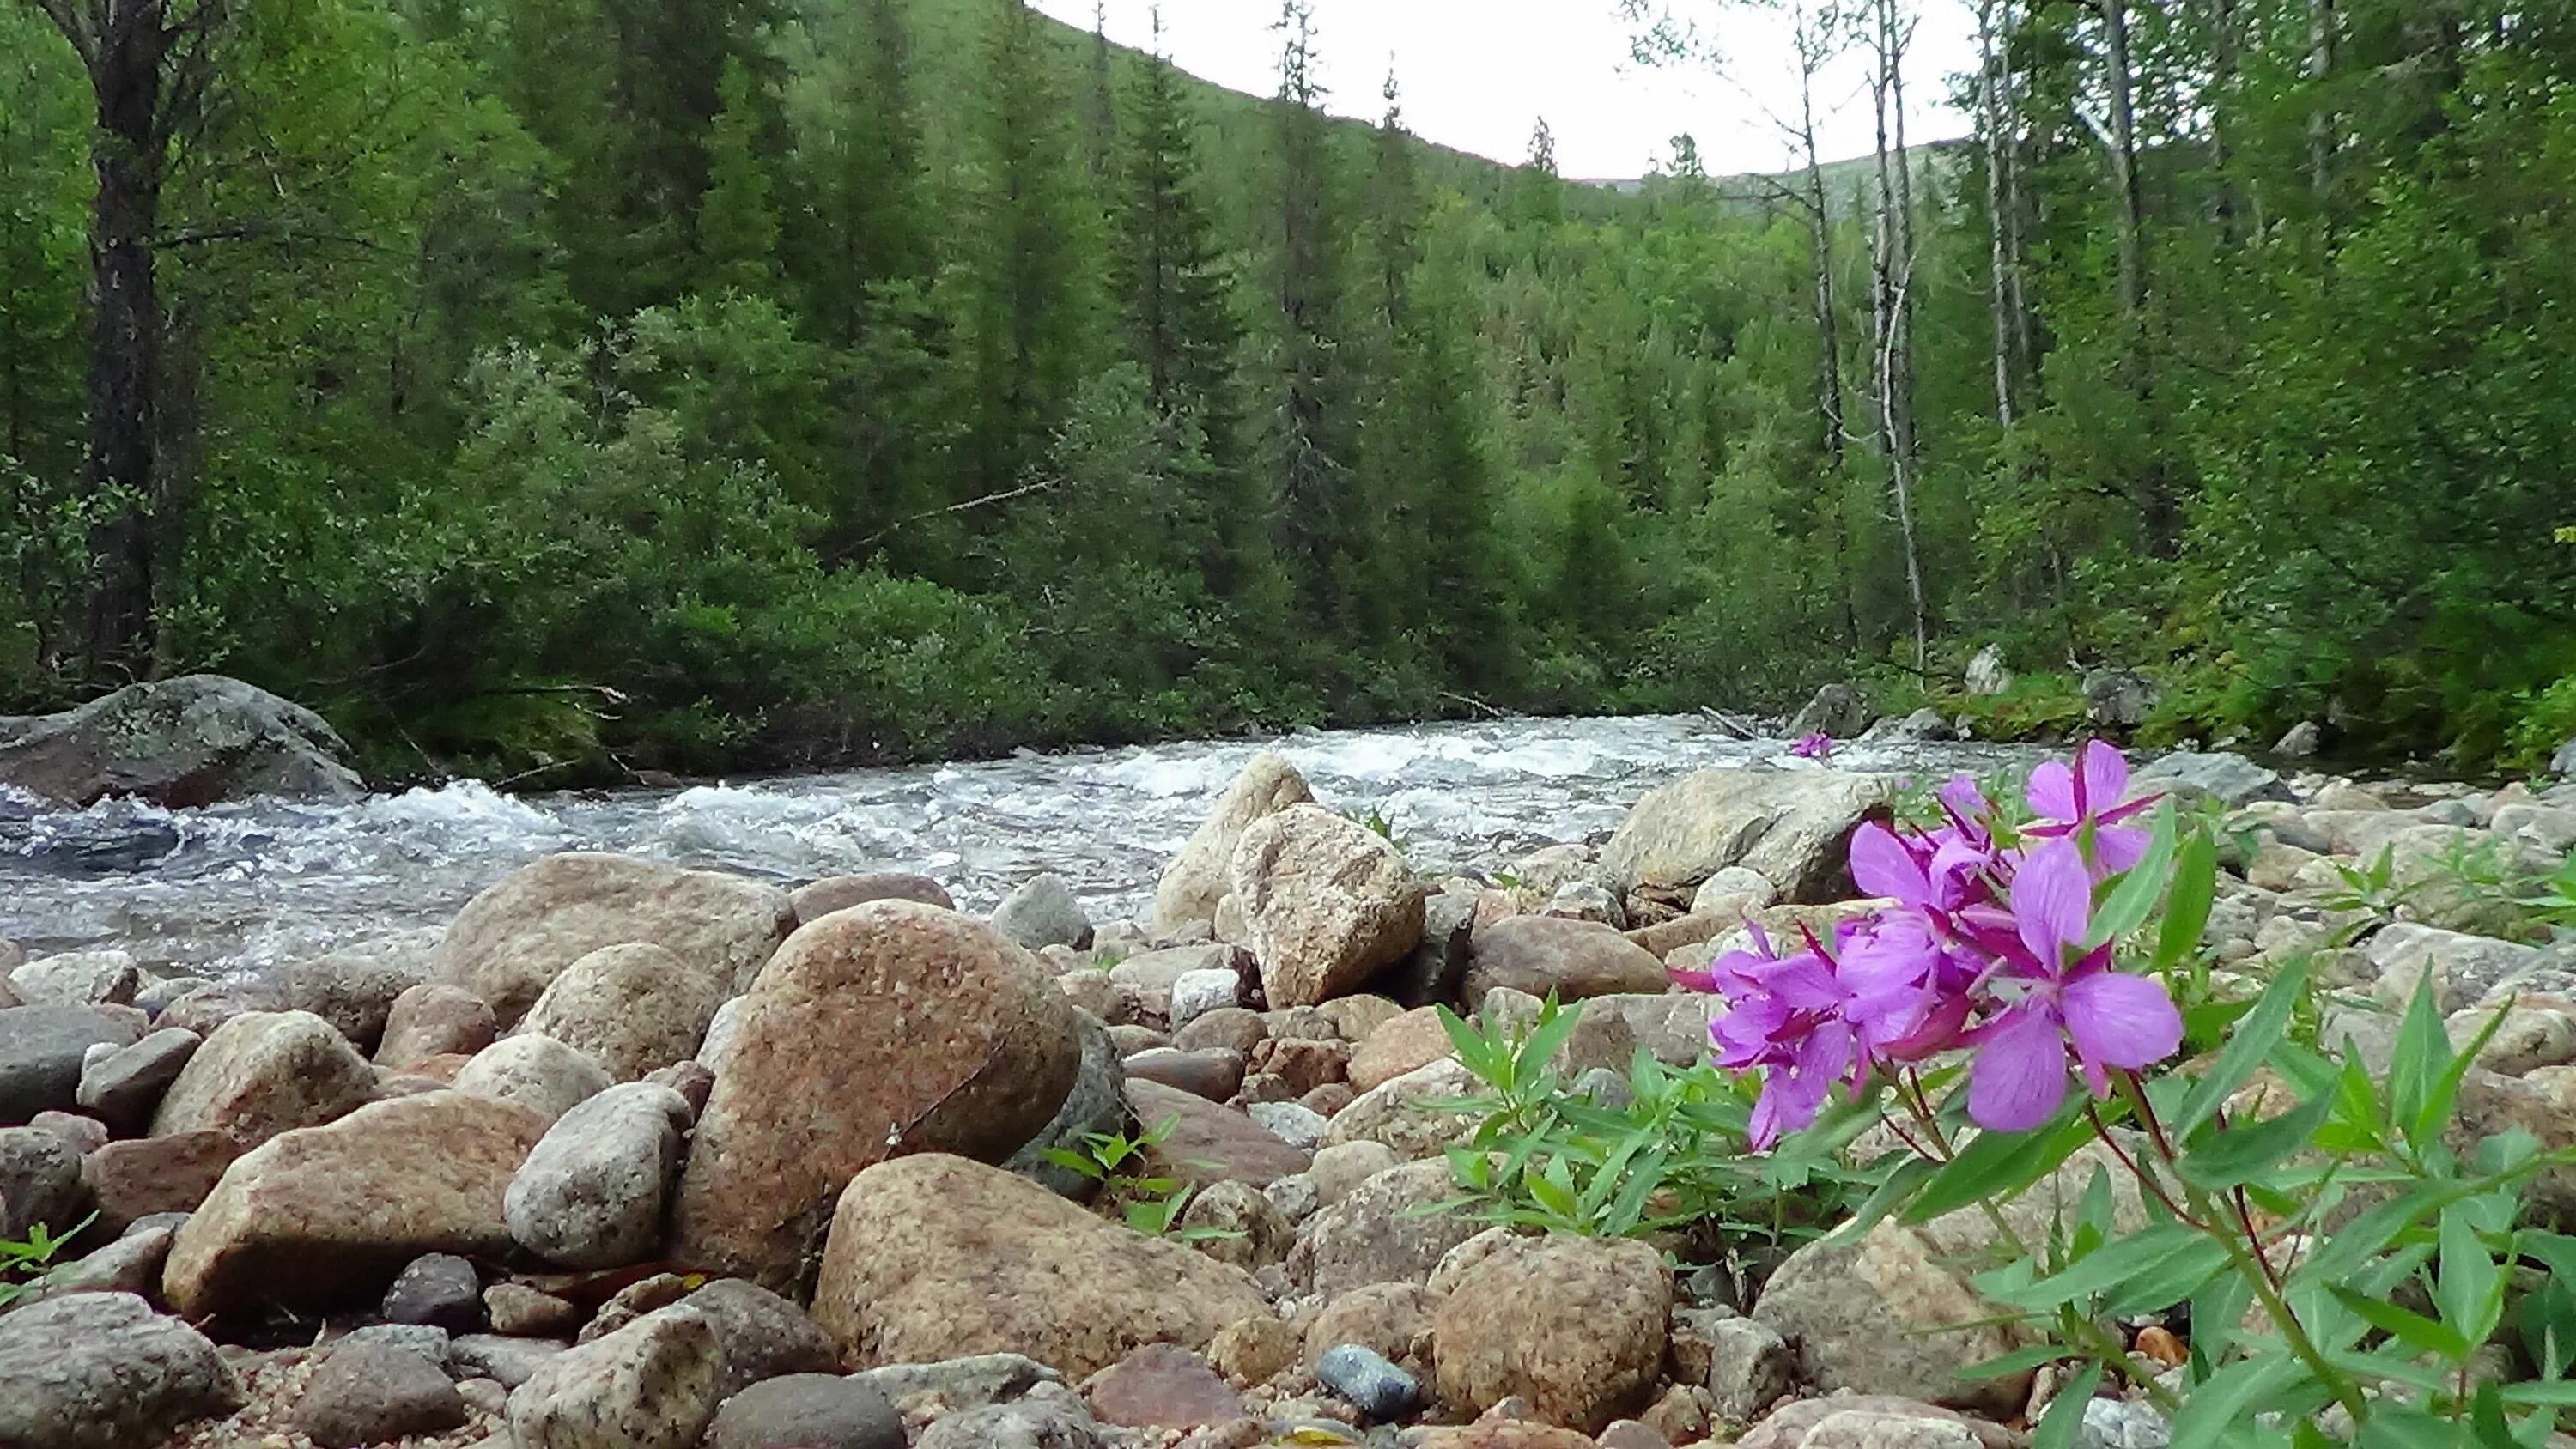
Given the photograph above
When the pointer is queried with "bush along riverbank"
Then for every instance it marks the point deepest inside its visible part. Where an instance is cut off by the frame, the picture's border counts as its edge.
(1811, 1108)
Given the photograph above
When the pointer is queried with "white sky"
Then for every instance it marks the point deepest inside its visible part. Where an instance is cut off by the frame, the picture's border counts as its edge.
(1477, 75)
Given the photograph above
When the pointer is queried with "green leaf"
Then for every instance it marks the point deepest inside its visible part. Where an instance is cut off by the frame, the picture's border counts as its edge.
(2019, 1361)
(1555, 1024)
(2065, 1417)
(1896, 1191)
(2422, 1055)
(1476, 1052)
(1999, 1165)
(2247, 1049)
(2242, 1154)
(2470, 1289)
(2401, 1426)
(2195, 885)
(2106, 1268)
(2231, 1395)
(2407, 1326)
(2133, 898)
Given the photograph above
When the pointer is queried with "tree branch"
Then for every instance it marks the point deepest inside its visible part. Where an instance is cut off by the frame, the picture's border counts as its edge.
(1005, 496)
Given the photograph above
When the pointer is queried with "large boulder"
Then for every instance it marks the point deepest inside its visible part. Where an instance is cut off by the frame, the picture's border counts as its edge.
(325, 1216)
(1572, 959)
(633, 1008)
(1574, 1325)
(1327, 904)
(103, 1371)
(432, 1020)
(2229, 779)
(887, 1028)
(1837, 709)
(590, 1195)
(180, 742)
(518, 936)
(1096, 1105)
(41, 1048)
(263, 1073)
(1199, 877)
(1794, 826)
(933, 1257)
(814, 901)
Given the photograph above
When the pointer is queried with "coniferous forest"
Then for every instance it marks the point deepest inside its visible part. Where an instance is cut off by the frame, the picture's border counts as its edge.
(562, 387)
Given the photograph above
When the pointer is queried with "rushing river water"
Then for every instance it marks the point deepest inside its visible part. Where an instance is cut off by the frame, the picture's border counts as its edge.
(245, 887)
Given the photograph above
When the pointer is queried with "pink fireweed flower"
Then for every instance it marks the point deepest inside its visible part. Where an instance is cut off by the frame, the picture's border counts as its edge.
(2084, 801)
(1810, 1020)
(2060, 996)
(1813, 747)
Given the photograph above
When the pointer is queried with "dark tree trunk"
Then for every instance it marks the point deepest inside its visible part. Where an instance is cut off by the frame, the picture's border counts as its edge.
(125, 350)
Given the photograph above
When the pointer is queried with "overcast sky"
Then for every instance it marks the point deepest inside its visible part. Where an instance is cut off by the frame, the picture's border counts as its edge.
(1478, 74)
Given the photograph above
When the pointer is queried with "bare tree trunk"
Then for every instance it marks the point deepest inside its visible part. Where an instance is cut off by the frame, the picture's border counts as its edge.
(125, 347)
(149, 64)
(1890, 305)
(2224, 67)
(2124, 160)
(1999, 258)
(2321, 49)
(1812, 52)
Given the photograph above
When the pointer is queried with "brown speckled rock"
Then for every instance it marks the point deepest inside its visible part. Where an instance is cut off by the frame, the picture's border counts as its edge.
(649, 1385)
(888, 1028)
(1575, 1325)
(431, 1020)
(936, 1257)
(840, 892)
(325, 1215)
(1197, 877)
(1573, 959)
(1327, 904)
(517, 936)
(632, 1008)
(266, 1072)
(149, 1175)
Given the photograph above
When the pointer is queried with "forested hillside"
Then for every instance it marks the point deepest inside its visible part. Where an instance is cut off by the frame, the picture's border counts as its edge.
(576, 385)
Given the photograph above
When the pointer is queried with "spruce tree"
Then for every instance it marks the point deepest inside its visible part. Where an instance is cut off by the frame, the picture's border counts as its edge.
(1311, 445)
(738, 225)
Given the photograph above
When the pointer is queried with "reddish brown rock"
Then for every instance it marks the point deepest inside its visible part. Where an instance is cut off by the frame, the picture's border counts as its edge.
(267, 1072)
(1505, 1434)
(1576, 1326)
(1213, 1073)
(885, 1029)
(1305, 1065)
(430, 1020)
(323, 1216)
(1161, 1387)
(1411, 1041)
(150, 1175)
(1666, 937)
(1210, 1142)
(1235, 1028)
(1574, 959)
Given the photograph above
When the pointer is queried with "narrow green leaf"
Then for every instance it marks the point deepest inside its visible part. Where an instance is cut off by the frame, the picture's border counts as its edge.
(1555, 1024)
(2065, 1417)
(2247, 1049)
(2422, 1055)
(2241, 1154)
(2435, 1113)
(1895, 1192)
(2400, 1426)
(2177, 1279)
(2470, 1290)
(1475, 1052)
(2133, 897)
(2195, 886)
(2019, 1361)
(2106, 1268)
(2405, 1325)
(1999, 1165)
(2229, 1396)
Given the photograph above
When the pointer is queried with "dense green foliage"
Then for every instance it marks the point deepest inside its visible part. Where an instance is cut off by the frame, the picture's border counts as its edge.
(581, 382)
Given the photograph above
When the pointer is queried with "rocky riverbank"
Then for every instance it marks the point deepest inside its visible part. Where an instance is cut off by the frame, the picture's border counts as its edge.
(633, 1155)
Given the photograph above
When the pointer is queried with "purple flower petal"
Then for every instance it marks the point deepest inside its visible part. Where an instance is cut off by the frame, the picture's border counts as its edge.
(1882, 866)
(2117, 848)
(2105, 775)
(2051, 792)
(2019, 1073)
(2121, 1020)
(1963, 797)
(2052, 899)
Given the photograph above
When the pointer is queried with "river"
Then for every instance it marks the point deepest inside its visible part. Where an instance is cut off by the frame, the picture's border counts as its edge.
(247, 887)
